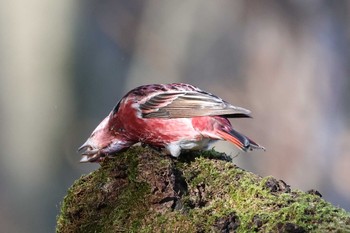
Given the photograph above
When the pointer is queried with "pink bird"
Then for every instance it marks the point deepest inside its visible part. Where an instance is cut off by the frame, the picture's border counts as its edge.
(173, 117)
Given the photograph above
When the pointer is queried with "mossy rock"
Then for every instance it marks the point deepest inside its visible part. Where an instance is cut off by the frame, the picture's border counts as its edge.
(142, 191)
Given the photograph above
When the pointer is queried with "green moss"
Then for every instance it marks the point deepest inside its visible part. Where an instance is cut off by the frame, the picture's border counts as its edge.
(142, 191)
(106, 199)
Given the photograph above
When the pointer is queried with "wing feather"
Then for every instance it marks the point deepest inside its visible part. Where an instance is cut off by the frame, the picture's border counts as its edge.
(183, 104)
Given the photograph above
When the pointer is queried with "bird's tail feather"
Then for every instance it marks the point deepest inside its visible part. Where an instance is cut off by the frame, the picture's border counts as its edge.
(241, 141)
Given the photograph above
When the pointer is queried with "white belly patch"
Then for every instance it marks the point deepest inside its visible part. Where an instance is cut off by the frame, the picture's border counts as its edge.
(175, 148)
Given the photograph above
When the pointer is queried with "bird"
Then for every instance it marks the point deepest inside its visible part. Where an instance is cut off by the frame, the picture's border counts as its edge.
(171, 117)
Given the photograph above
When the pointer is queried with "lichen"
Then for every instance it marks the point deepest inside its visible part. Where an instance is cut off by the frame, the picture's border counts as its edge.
(143, 191)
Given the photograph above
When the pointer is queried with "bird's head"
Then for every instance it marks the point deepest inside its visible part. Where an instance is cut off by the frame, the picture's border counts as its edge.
(107, 139)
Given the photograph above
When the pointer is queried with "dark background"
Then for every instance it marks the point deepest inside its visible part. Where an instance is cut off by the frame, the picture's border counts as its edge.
(65, 64)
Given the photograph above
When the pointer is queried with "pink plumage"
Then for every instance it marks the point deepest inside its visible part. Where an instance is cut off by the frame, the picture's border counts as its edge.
(173, 117)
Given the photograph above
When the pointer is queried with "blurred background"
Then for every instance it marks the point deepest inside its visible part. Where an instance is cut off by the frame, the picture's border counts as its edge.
(65, 64)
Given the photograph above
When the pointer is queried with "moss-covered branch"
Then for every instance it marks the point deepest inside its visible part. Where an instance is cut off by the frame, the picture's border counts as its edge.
(142, 191)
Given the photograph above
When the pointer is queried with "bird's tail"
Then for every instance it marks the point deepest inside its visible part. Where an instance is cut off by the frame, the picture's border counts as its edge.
(241, 141)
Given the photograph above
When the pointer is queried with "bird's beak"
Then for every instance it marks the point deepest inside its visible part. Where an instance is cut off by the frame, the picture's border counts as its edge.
(84, 159)
(84, 147)
(88, 153)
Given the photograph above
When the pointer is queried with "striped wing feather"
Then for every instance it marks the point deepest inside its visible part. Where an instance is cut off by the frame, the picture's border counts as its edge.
(189, 104)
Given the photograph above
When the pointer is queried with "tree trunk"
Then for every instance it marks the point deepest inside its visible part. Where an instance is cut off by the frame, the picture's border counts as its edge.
(142, 191)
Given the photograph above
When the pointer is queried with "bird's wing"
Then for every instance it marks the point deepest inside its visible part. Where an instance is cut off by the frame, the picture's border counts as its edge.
(183, 104)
